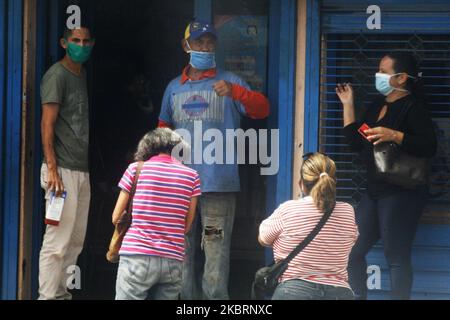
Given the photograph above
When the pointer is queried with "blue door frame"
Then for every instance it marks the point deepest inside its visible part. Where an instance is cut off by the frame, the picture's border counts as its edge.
(11, 113)
(203, 10)
(3, 46)
(11, 92)
(312, 77)
(281, 93)
(37, 227)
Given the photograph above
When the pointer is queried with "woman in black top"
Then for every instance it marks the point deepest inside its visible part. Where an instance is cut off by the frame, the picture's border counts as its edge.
(388, 211)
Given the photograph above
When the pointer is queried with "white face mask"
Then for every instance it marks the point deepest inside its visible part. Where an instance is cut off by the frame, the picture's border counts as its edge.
(382, 83)
(202, 60)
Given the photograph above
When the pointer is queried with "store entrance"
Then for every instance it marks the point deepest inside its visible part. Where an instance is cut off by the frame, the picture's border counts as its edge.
(137, 53)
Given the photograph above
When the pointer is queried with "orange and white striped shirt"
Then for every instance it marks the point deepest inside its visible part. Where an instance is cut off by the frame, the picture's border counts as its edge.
(325, 259)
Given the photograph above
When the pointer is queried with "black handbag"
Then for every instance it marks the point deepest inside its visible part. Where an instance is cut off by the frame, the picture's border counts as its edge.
(266, 278)
(398, 167)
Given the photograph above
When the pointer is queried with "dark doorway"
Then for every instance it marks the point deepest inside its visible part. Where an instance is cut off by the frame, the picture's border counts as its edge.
(137, 53)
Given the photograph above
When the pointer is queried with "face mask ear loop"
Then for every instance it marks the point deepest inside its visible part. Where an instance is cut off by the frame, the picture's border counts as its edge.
(191, 51)
(399, 89)
(189, 47)
(408, 75)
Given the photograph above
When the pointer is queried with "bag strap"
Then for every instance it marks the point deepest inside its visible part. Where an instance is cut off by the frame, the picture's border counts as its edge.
(133, 187)
(310, 237)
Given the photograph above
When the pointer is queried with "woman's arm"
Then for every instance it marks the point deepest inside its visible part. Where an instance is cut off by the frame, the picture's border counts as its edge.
(271, 228)
(263, 243)
(121, 205)
(191, 214)
(381, 134)
(420, 138)
(345, 94)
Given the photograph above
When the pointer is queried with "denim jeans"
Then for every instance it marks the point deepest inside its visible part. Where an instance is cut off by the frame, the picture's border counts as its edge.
(394, 219)
(216, 212)
(304, 290)
(140, 277)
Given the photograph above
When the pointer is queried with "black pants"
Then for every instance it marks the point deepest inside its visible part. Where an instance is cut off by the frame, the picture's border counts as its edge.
(394, 219)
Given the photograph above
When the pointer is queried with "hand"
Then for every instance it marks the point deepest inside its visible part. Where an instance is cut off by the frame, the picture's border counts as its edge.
(381, 134)
(345, 93)
(54, 182)
(223, 88)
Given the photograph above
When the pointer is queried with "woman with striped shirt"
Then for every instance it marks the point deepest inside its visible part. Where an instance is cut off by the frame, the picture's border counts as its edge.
(320, 270)
(153, 250)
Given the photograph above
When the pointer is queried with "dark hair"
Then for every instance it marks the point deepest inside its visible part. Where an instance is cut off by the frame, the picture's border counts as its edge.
(68, 32)
(405, 62)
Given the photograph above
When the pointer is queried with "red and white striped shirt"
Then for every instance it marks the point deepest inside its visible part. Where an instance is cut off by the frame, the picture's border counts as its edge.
(325, 259)
(163, 195)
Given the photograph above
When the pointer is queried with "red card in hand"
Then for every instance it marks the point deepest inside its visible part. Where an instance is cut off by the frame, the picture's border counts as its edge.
(363, 128)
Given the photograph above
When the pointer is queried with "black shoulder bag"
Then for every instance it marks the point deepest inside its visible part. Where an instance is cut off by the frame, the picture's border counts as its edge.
(398, 167)
(266, 278)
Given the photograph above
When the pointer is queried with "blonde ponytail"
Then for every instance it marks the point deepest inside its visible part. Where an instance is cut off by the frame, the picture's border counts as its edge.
(319, 178)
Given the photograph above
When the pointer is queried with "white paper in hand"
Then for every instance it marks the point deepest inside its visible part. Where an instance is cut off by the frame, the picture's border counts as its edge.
(55, 208)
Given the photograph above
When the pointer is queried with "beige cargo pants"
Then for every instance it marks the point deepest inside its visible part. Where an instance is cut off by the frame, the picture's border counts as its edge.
(62, 244)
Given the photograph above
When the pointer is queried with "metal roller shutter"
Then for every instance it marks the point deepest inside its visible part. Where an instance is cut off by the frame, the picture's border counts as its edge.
(351, 53)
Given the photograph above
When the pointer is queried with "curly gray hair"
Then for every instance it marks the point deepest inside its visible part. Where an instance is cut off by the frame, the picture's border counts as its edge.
(161, 140)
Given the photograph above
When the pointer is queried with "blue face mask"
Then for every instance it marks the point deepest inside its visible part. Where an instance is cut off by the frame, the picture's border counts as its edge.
(202, 60)
(382, 83)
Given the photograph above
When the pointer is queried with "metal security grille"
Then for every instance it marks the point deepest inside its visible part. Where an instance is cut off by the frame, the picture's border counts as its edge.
(350, 52)
(354, 57)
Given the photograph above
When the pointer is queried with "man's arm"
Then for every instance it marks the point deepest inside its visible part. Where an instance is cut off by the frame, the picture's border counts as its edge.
(256, 105)
(49, 115)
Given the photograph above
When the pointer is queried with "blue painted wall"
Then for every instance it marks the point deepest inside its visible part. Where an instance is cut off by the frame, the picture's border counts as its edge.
(37, 228)
(281, 93)
(3, 46)
(203, 10)
(312, 78)
(10, 148)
